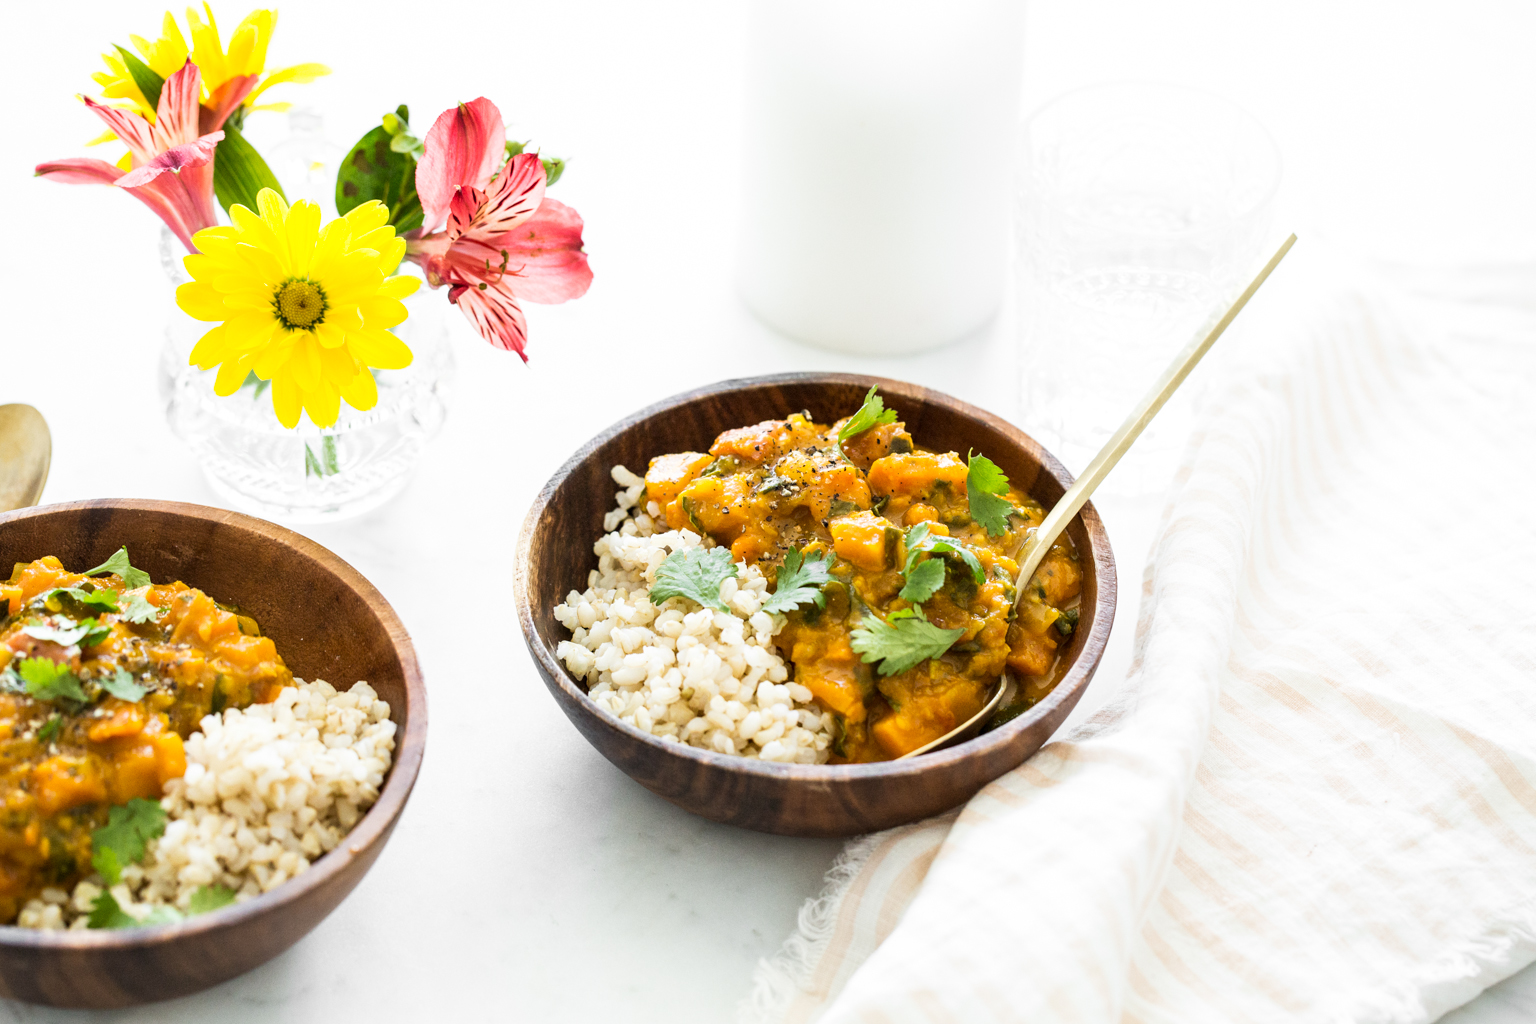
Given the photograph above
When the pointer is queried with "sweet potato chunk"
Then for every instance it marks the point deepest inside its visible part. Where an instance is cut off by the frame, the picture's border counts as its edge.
(865, 539)
(917, 474)
(669, 474)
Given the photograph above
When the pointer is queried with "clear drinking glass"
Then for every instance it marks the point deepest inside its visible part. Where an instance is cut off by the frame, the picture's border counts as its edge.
(1139, 208)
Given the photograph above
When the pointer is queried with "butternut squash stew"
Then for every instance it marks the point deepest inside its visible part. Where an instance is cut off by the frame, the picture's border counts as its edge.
(105, 682)
(813, 594)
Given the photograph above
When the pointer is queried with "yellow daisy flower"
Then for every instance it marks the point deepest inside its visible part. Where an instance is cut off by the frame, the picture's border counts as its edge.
(306, 308)
(225, 72)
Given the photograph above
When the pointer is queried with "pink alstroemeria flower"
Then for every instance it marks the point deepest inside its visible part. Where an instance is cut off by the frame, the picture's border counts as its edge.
(489, 233)
(172, 159)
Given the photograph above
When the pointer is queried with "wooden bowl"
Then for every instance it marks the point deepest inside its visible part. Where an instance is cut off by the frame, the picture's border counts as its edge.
(554, 556)
(329, 623)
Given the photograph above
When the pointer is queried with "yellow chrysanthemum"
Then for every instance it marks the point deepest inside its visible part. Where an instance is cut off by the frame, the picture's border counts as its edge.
(306, 308)
(247, 55)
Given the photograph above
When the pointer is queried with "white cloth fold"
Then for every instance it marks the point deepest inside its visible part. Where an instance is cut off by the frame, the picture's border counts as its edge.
(1315, 796)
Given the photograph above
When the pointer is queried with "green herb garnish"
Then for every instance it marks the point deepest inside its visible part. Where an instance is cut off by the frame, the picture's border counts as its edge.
(105, 913)
(85, 633)
(695, 574)
(137, 609)
(209, 897)
(985, 484)
(800, 580)
(921, 541)
(50, 729)
(122, 839)
(104, 599)
(46, 679)
(1067, 622)
(122, 686)
(871, 414)
(118, 563)
(923, 581)
(911, 640)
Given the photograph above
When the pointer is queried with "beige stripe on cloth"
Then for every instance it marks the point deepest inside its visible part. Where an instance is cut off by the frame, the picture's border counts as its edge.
(1314, 799)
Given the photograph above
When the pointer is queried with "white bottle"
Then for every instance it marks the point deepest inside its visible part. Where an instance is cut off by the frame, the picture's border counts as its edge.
(876, 186)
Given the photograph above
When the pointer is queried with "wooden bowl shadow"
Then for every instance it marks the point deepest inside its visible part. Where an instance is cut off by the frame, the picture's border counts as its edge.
(328, 623)
(555, 555)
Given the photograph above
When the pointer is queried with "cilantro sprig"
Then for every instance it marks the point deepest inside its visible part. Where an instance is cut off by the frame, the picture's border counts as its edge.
(985, 487)
(46, 679)
(137, 609)
(121, 685)
(923, 581)
(905, 640)
(921, 540)
(871, 414)
(800, 580)
(118, 563)
(49, 730)
(67, 633)
(121, 841)
(106, 912)
(104, 599)
(695, 573)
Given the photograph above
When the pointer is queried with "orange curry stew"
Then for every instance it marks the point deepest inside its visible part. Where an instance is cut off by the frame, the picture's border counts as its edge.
(791, 484)
(73, 746)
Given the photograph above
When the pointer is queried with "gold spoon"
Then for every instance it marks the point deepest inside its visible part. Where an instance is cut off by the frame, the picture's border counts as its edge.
(1043, 536)
(26, 449)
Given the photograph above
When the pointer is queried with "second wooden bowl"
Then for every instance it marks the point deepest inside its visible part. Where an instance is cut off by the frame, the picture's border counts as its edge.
(329, 623)
(554, 555)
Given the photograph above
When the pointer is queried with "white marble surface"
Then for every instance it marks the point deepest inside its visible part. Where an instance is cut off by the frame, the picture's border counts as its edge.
(528, 879)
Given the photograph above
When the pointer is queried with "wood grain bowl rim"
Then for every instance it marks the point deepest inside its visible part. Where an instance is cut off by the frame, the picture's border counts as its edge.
(376, 822)
(1069, 686)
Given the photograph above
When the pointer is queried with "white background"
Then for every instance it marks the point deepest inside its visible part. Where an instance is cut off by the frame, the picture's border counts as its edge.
(529, 879)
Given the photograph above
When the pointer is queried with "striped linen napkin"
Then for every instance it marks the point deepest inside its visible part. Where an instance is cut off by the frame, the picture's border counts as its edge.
(1314, 798)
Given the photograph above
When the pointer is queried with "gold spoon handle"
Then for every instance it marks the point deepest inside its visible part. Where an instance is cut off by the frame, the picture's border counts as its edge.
(1078, 494)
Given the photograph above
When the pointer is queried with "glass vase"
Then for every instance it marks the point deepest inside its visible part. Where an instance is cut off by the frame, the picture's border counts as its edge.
(306, 474)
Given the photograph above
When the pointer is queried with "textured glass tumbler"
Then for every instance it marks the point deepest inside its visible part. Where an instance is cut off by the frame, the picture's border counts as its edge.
(1139, 209)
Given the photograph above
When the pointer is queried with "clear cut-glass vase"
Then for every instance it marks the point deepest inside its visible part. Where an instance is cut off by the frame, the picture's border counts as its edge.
(307, 475)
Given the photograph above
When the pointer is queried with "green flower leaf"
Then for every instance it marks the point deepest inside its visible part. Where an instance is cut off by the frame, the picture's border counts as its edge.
(239, 172)
(382, 167)
(145, 77)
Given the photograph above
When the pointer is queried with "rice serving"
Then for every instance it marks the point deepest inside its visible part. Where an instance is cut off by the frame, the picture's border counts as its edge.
(267, 790)
(706, 678)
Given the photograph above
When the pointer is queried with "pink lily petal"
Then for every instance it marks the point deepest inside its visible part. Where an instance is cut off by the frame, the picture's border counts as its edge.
(128, 126)
(513, 197)
(193, 154)
(224, 101)
(464, 147)
(545, 256)
(176, 115)
(495, 313)
(80, 171)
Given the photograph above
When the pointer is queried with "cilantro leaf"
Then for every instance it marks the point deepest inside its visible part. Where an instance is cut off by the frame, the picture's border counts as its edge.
(871, 414)
(800, 580)
(209, 897)
(695, 574)
(48, 680)
(161, 915)
(137, 609)
(985, 488)
(920, 540)
(122, 686)
(50, 729)
(104, 599)
(105, 913)
(122, 839)
(118, 563)
(912, 640)
(85, 633)
(923, 581)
